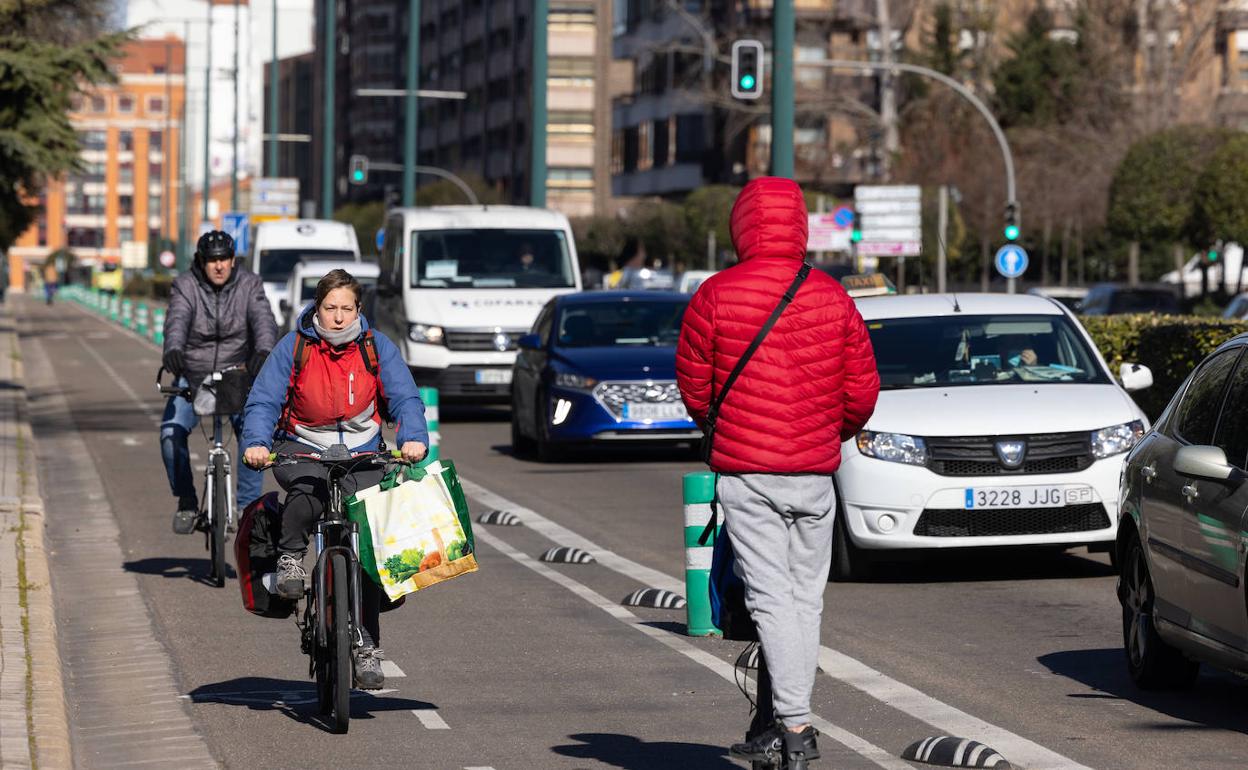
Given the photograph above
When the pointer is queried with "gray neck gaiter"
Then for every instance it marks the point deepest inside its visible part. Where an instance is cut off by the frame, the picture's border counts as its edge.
(336, 338)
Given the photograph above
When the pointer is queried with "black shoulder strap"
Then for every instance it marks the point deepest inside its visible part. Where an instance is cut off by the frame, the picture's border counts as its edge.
(713, 413)
(368, 351)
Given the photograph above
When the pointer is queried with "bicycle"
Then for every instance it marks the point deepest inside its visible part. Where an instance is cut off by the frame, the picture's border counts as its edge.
(226, 397)
(330, 628)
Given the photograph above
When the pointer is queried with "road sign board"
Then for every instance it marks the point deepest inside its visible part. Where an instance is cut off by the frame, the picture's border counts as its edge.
(381, 238)
(890, 219)
(885, 192)
(824, 233)
(890, 248)
(235, 224)
(843, 217)
(1011, 260)
(133, 255)
(889, 207)
(168, 258)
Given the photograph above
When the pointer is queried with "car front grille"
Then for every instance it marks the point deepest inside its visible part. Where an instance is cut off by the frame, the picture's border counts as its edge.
(977, 456)
(613, 395)
(961, 522)
(486, 339)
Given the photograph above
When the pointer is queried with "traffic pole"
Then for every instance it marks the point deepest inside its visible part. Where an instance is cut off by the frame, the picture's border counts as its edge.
(274, 127)
(782, 34)
(208, 121)
(537, 123)
(327, 134)
(699, 489)
(430, 397)
(410, 143)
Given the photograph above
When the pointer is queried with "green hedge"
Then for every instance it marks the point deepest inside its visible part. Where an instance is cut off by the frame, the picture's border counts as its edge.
(1170, 346)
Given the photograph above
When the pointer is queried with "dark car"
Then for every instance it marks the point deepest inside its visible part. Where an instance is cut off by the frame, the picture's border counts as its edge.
(1181, 532)
(1114, 299)
(600, 367)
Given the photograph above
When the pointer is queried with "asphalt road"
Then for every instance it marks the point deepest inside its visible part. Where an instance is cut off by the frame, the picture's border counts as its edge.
(527, 665)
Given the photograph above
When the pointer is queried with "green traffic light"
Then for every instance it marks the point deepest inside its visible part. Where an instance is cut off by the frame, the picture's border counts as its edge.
(359, 176)
(1011, 232)
(748, 82)
(856, 236)
(1213, 255)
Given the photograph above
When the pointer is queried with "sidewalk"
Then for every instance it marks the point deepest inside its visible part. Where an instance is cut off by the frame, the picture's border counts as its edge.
(34, 730)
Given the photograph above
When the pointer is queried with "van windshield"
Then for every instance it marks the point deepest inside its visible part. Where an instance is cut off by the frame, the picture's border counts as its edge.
(491, 258)
(276, 265)
(309, 286)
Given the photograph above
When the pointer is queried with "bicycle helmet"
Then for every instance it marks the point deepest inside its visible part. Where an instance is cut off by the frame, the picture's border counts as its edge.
(214, 244)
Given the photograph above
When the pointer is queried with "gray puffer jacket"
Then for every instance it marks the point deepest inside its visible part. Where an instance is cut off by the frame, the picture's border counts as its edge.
(217, 328)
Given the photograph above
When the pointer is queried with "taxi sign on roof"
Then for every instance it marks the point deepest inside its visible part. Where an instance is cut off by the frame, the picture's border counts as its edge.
(868, 285)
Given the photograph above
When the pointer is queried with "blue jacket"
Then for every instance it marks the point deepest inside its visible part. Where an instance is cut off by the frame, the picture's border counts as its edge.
(268, 393)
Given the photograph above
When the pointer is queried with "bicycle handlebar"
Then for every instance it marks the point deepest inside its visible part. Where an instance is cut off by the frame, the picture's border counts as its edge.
(377, 458)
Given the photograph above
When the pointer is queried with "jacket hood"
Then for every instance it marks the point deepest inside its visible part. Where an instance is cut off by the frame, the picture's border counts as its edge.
(769, 219)
(308, 330)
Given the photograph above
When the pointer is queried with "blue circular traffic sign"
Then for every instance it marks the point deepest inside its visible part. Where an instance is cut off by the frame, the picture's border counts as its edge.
(1011, 260)
(843, 216)
(381, 238)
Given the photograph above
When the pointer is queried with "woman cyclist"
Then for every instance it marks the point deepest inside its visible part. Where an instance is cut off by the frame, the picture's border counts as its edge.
(332, 397)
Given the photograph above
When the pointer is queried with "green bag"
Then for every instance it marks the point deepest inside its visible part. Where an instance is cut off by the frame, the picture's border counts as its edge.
(356, 509)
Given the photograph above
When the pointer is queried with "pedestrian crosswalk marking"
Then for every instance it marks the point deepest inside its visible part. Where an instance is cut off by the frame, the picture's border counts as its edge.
(431, 719)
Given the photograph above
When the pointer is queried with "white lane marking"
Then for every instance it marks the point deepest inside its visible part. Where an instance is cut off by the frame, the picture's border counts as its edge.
(484, 767)
(146, 408)
(835, 664)
(431, 719)
(391, 670)
(725, 670)
(195, 456)
(129, 441)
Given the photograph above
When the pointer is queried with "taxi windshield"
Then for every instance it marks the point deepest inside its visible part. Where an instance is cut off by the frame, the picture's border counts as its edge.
(981, 350)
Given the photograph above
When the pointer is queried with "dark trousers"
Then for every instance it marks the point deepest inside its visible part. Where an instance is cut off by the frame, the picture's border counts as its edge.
(307, 494)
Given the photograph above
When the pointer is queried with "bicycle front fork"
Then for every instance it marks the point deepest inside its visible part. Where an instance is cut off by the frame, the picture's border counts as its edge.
(354, 575)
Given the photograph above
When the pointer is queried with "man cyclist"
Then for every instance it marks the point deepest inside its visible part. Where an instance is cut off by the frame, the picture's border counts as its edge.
(325, 384)
(218, 317)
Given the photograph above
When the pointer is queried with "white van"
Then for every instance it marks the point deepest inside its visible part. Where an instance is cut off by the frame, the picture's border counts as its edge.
(281, 244)
(460, 285)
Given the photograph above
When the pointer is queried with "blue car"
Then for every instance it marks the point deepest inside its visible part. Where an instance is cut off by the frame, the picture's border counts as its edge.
(599, 367)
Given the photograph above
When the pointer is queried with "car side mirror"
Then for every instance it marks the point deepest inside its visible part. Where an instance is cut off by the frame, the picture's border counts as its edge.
(530, 342)
(284, 304)
(1203, 462)
(1135, 376)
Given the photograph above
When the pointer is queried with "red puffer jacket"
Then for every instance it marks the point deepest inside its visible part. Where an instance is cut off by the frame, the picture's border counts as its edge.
(813, 382)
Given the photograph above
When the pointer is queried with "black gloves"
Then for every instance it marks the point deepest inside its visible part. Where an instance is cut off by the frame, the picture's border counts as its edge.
(174, 361)
(256, 361)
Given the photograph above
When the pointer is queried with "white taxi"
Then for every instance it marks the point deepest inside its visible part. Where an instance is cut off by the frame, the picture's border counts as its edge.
(998, 424)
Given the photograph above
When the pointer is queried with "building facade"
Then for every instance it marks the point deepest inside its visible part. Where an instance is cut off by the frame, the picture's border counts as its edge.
(482, 48)
(294, 119)
(124, 198)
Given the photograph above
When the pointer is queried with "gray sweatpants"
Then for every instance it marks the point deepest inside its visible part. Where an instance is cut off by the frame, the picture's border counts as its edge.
(781, 530)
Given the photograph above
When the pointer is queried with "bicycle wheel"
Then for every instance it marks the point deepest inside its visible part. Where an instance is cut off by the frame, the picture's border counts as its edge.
(219, 522)
(340, 642)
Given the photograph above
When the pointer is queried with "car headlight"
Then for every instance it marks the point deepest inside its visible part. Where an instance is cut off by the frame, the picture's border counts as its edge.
(426, 333)
(574, 381)
(1116, 439)
(893, 447)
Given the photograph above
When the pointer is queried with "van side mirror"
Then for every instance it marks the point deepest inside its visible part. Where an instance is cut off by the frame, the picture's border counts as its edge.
(1135, 376)
(530, 342)
(284, 304)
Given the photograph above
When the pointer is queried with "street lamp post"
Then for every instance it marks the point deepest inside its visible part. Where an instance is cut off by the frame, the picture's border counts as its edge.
(234, 137)
(208, 117)
(537, 120)
(327, 126)
(410, 143)
(274, 127)
(782, 108)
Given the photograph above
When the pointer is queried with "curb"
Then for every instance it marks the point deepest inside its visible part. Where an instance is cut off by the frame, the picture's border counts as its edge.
(49, 712)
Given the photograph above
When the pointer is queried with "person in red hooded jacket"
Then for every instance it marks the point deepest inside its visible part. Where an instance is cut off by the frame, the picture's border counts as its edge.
(810, 385)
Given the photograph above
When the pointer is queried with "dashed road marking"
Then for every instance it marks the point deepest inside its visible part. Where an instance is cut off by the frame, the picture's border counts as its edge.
(431, 719)
(129, 441)
(391, 670)
(121, 383)
(833, 663)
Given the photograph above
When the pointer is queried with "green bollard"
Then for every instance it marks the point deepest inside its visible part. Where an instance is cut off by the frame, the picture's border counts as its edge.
(127, 314)
(158, 326)
(430, 397)
(140, 319)
(114, 308)
(699, 492)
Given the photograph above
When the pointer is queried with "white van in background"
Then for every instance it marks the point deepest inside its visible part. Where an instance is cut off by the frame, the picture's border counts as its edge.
(460, 285)
(281, 244)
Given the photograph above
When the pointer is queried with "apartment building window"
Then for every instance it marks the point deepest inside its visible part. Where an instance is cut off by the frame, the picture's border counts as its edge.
(571, 124)
(569, 71)
(76, 103)
(660, 131)
(125, 234)
(125, 205)
(125, 172)
(155, 172)
(125, 103)
(1241, 60)
(82, 203)
(154, 201)
(571, 18)
(93, 140)
(93, 171)
(617, 152)
(570, 178)
(645, 136)
(125, 141)
(85, 237)
(691, 141)
(156, 105)
(809, 77)
(99, 104)
(155, 141)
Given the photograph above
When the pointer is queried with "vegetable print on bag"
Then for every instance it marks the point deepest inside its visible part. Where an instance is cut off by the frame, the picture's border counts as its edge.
(418, 527)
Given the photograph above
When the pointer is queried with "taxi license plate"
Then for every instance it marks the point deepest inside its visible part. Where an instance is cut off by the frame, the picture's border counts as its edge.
(493, 376)
(1035, 496)
(655, 412)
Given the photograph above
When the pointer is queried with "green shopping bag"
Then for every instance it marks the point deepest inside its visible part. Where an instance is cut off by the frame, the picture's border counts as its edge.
(414, 528)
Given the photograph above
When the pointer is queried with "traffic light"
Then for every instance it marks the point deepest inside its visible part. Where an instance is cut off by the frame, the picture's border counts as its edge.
(855, 233)
(359, 169)
(1011, 221)
(747, 69)
(1214, 253)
